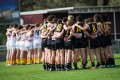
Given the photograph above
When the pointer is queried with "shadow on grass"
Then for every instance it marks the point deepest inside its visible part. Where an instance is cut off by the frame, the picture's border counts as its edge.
(117, 66)
(117, 58)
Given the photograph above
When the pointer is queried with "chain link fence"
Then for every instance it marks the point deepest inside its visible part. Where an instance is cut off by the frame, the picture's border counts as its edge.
(116, 46)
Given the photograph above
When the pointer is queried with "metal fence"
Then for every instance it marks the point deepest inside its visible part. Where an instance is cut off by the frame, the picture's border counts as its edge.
(116, 46)
(3, 48)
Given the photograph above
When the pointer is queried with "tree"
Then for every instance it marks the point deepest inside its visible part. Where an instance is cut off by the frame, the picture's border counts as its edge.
(27, 5)
(105, 2)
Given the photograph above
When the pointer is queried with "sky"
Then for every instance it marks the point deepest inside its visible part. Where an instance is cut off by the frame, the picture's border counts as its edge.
(9, 4)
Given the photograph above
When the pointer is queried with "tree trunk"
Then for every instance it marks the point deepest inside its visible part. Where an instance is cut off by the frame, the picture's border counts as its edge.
(105, 2)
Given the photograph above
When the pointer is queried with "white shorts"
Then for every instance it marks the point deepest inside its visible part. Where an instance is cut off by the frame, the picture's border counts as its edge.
(8, 45)
(37, 44)
(28, 45)
(22, 46)
(17, 44)
(12, 45)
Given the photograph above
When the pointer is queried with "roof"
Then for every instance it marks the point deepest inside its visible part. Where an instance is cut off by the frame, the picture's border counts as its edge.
(46, 11)
(95, 9)
(81, 9)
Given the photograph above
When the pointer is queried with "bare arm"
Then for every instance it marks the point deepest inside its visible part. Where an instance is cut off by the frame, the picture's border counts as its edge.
(43, 36)
(82, 28)
(61, 34)
(67, 28)
(87, 34)
(71, 34)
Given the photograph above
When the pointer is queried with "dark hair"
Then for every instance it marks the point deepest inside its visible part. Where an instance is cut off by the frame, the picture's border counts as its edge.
(64, 19)
(86, 20)
(30, 27)
(54, 20)
(79, 18)
(10, 26)
(19, 27)
(90, 19)
(27, 26)
(51, 17)
(45, 20)
(15, 25)
(97, 17)
(104, 17)
(37, 25)
(59, 21)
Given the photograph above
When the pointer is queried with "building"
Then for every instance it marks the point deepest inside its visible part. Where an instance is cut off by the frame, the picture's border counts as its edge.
(32, 17)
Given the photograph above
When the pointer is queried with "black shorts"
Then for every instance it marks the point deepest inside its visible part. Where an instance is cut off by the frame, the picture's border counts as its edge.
(53, 44)
(99, 42)
(44, 44)
(68, 45)
(104, 41)
(86, 40)
(59, 43)
(109, 41)
(94, 43)
(49, 43)
(79, 43)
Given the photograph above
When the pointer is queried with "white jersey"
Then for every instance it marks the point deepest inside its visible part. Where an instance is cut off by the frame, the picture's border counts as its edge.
(12, 39)
(22, 42)
(22, 36)
(18, 40)
(8, 41)
(17, 36)
(36, 35)
(36, 39)
(29, 41)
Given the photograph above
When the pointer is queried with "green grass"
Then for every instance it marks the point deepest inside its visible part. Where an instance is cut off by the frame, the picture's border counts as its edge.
(35, 72)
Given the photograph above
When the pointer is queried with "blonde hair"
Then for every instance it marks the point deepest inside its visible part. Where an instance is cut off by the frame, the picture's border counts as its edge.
(70, 20)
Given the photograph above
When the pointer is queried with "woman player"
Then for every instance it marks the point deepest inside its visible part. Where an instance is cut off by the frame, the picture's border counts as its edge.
(12, 44)
(18, 44)
(68, 43)
(8, 34)
(37, 44)
(79, 43)
(107, 41)
(59, 43)
(29, 45)
(44, 44)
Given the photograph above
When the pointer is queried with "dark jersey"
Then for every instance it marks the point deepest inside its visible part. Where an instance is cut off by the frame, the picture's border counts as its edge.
(59, 28)
(78, 31)
(66, 33)
(93, 28)
(44, 27)
(105, 25)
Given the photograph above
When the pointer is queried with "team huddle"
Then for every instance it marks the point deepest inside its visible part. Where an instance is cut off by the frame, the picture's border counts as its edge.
(60, 43)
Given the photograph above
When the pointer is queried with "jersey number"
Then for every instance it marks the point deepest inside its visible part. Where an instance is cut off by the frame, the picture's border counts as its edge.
(105, 26)
(59, 27)
(94, 29)
(78, 30)
(66, 33)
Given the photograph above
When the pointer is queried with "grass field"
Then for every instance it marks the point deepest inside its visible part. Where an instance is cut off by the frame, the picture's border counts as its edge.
(35, 72)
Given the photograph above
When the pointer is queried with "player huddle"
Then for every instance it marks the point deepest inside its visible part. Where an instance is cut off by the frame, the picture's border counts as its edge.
(59, 43)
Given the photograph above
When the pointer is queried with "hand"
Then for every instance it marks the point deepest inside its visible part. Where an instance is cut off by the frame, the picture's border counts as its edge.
(65, 39)
(93, 37)
(78, 36)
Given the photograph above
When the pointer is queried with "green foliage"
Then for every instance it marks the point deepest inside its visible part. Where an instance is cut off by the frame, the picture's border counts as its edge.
(2, 35)
(27, 5)
(114, 2)
(35, 72)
